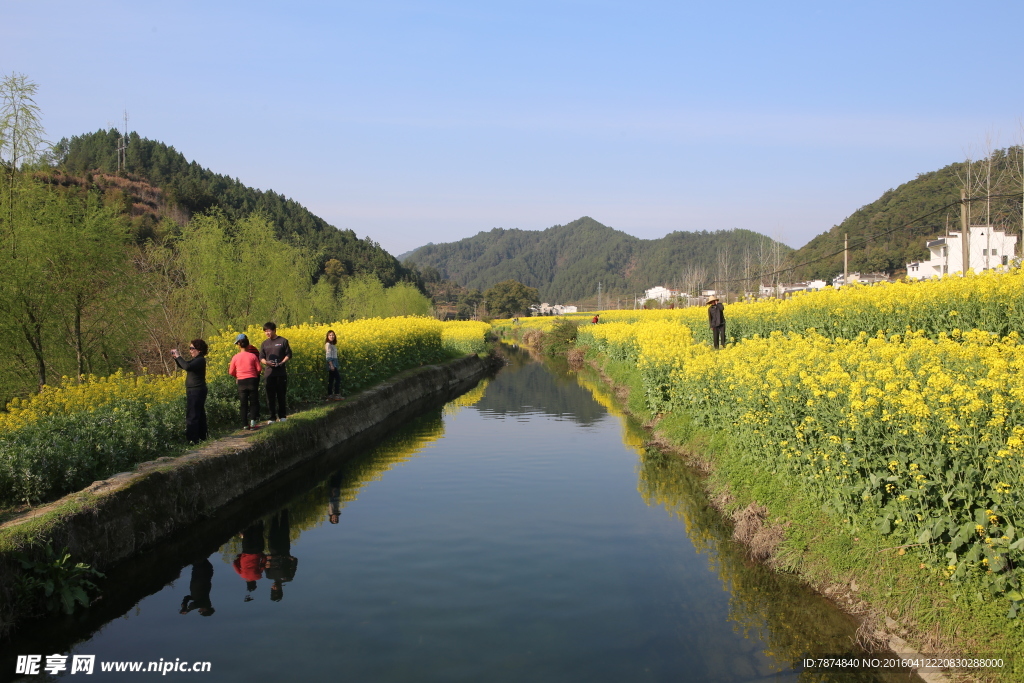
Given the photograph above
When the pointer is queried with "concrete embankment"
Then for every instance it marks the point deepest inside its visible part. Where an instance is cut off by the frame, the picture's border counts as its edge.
(117, 518)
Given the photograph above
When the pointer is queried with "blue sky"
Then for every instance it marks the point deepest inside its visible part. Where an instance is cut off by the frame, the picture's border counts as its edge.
(415, 122)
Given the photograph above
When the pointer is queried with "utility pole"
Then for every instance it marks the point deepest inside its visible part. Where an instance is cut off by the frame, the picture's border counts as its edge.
(964, 237)
(122, 147)
(846, 259)
(599, 296)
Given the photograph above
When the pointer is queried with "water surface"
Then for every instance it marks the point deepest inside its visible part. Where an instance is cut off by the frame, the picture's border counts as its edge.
(522, 532)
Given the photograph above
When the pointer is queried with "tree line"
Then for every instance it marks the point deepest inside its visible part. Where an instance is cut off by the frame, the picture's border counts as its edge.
(89, 288)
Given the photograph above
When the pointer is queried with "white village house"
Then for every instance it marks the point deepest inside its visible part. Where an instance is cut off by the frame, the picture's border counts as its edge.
(789, 288)
(659, 293)
(552, 309)
(990, 248)
(859, 279)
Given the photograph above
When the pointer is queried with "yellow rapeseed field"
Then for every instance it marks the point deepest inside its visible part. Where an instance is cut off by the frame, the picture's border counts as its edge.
(67, 436)
(913, 424)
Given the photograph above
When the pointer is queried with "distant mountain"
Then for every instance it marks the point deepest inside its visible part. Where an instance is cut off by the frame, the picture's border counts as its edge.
(193, 189)
(402, 257)
(566, 262)
(927, 193)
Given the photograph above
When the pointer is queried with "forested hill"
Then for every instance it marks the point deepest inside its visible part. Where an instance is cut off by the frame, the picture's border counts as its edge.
(566, 262)
(896, 208)
(195, 189)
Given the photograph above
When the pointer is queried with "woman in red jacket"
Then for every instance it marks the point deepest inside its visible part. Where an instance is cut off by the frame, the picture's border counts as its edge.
(245, 367)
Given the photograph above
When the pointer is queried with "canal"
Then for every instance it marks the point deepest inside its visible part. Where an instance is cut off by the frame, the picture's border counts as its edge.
(520, 532)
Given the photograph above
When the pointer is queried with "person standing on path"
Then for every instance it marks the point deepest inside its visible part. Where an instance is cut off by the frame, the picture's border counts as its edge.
(333, 376)
(245, 368)
(274, 355)
(195, 389)
(716, 320)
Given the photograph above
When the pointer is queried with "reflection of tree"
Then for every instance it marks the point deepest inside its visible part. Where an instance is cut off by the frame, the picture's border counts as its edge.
(764, 604)
(525, 386)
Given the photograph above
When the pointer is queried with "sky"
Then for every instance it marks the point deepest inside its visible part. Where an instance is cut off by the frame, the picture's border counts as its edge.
(416, 122)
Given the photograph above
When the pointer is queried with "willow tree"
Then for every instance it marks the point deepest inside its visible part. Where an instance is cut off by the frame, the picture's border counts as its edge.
(21, 139)
(237, 274)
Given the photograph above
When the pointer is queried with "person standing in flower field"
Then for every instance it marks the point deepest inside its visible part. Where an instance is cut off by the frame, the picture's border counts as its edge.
(716, 320)
(274, 355)
(333, 376)
(195, 389)
(245, 368)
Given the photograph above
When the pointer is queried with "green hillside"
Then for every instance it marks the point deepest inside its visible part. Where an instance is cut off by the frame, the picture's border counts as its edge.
(566, 262)
(194, 189)
(895, 209)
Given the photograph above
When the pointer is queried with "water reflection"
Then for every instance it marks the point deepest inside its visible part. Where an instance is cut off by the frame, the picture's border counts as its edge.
(468, 546)
(199, 588)
(281, 564)
(536, 389)
(251, 561)
(342, 488)
(764, 605)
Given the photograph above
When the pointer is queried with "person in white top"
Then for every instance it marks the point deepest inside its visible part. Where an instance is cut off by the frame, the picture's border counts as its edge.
(333, 378)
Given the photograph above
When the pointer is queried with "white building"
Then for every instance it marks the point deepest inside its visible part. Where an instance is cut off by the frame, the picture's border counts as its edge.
(659, 293)
(858, 279)
(990, 248)
(789, 288)
(553, 309)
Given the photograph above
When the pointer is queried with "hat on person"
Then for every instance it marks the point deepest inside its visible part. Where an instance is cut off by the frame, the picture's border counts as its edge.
(712, 299)
(241, 338)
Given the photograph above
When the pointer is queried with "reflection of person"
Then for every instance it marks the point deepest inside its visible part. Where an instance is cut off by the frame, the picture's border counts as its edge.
(199, 589)
(274, 355)
(281, 565)
(245, 368)
(333, 377)
(251, 562)
(195, 390)
(334, 498)
(716, 320)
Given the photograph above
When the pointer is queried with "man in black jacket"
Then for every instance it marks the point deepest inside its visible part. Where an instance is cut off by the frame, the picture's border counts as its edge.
(716, 319)
(274, 355)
